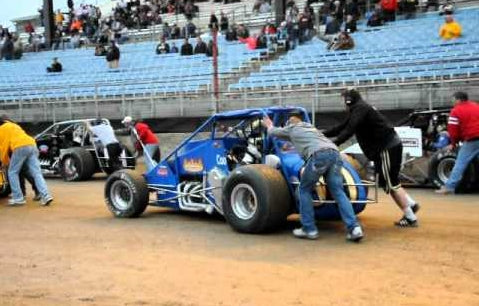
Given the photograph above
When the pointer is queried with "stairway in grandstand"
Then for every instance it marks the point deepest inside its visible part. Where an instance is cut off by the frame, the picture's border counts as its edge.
(400, 52)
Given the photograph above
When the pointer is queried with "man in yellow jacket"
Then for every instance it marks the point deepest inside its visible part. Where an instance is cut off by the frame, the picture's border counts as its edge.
(450, 29)
(17, 149)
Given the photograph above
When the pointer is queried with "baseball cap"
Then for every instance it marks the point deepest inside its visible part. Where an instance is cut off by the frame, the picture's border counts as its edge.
(127, 119)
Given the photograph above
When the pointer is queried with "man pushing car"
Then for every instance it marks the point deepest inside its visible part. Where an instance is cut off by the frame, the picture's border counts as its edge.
(322, 159)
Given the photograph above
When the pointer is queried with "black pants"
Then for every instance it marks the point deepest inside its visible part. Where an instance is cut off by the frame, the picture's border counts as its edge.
(114, 152)
(388, 166)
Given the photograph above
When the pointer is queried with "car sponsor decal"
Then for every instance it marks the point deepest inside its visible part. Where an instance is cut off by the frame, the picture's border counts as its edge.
(193, 165)
(162, 171)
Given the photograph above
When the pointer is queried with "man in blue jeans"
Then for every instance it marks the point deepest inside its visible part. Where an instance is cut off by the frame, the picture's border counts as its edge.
(463, 125)
(322, 159)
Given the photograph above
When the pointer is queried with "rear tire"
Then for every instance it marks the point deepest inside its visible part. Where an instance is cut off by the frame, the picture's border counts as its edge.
(440, 167)
(256, 199)
(4, 185)
(126, 194)
(77, 165)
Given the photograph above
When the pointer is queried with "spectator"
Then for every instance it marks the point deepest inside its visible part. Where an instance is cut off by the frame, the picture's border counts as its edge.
(381, 144)
(231, 34)
(223, 22)
(242, 31)
(375, 19)
(304, 25)
(209, 49)
(264, 8)
(450, 29)
(175, 31)
(29, 28)
(200, 47)
(341, 42)
(144, 139)
(75, 41)
(332, 27)
(352, 9)
(350, 25)
(186, 48)
(59, 19)
(100, 50)
(189, 30)
(113, 56)
(17, 48)
(409, 8)
(433, 3)
(270, 29)
(166, 31)
(389, 8)
(163, 47)
(76, 26)
(213, 22)
(56, 66)
(24, 152)
(174, 48)
(7, 49)
(463, 125)
(447, 8)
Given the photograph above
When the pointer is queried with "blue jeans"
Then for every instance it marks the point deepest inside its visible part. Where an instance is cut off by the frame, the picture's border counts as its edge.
(325, 163)
(151, 149)
(466, 154)
(27, 155)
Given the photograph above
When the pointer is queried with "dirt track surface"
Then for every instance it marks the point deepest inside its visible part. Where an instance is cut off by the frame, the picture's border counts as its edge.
(75, 253)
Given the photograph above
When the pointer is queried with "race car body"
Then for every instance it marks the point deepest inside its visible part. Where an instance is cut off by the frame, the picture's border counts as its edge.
(69, 149)
(230, 165)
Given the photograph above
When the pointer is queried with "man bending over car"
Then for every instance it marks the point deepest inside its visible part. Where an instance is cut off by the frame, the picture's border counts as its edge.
(322, 159)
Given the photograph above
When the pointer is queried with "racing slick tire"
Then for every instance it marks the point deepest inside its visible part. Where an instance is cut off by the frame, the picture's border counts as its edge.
(256, 199)
(77, 165)
(126, 194)
(440, 167)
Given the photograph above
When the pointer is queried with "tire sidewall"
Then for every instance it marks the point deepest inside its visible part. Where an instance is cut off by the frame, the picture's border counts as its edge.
(137, 188)
(78, 165)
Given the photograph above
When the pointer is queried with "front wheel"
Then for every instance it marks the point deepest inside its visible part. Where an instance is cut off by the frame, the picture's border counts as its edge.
(440, 168)
(77, 165)
(126, 194)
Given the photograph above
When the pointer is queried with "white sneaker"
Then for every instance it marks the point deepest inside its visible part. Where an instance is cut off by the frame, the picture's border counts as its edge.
(355, 235)
(300, 233)
(16, 202)
(46, 200)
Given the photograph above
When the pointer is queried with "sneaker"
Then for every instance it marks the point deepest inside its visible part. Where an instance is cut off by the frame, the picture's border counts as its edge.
(300, 233)
(37, 197)
(16, 202)
(355, 235)
(415, 207)
(405, 222)
(46, 200)
(444, 191)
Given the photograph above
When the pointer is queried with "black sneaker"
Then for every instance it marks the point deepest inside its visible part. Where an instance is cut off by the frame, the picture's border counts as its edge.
(415, 207)
(405, 222)
(355, 235)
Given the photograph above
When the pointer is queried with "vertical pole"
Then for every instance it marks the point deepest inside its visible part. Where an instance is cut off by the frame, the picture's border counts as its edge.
(214, 32)
(97, 112)
(70, 97)
(430, 97)
(315, 100)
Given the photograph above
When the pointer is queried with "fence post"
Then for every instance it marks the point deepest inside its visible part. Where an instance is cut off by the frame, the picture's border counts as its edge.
(182, 104)
(70, 97)
(315, 100)
(430, 97)
(97, 111)
(245, 93)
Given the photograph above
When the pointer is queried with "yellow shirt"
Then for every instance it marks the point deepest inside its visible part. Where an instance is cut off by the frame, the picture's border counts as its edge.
(12, 137)
(450, 30)
(59, 18)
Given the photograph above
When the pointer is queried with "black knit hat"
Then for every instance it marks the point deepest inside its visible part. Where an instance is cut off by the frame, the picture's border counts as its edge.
(461, 96)
(351, 96)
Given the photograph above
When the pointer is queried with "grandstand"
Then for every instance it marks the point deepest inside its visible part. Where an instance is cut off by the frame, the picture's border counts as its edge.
(401, 65)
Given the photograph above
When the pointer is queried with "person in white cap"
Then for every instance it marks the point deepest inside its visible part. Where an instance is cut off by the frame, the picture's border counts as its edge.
(144, 138)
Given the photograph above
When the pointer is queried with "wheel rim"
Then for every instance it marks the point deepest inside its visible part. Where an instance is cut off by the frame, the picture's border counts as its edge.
(244, 201)
(444, 169)
(121, 195)
(69, 166)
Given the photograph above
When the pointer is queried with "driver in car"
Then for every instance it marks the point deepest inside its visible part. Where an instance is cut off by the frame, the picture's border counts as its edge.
(322, 159)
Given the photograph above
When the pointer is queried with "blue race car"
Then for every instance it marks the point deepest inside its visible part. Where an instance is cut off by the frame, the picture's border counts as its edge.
(230, 165)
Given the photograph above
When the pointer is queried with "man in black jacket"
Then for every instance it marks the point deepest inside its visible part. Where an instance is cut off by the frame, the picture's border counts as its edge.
(56, 66)
(381, 144)
(186, 48)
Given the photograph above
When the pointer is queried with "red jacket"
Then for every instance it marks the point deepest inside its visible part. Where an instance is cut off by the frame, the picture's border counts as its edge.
(145, 134)
(463, 124)
(389, 5)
